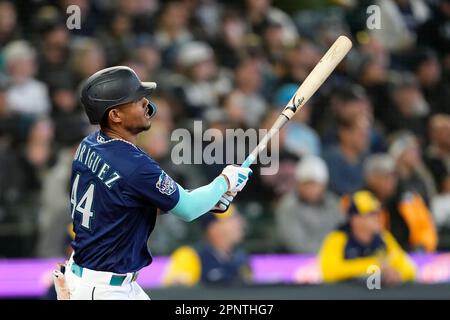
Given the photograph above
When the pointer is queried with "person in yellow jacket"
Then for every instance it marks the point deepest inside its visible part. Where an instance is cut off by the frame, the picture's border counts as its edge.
(350, 251)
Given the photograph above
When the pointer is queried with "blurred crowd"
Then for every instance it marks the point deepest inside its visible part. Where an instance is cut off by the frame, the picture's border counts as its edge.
(380, 123)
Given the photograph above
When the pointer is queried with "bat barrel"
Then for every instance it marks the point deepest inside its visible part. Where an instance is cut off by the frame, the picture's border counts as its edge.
(313, 81)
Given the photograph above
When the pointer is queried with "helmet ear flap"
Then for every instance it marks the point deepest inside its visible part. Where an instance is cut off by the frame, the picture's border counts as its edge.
(151, 109)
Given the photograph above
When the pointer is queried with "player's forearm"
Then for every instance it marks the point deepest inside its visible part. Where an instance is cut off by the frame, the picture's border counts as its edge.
(199, 201)
(405, 267)
(398, 259)
(342, 269)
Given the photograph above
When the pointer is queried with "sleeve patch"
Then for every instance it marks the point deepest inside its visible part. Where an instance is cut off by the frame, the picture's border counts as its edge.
(165, 184)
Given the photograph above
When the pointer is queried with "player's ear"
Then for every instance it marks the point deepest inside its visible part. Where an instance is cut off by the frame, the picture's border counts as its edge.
(114, 116)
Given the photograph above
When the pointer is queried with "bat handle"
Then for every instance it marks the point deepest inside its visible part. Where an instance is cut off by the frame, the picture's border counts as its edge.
(279, 123)
(248, 162)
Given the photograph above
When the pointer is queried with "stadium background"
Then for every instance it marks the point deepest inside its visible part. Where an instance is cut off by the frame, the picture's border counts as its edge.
(231, 64)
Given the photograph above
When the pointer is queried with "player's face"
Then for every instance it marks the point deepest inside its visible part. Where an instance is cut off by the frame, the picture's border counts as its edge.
(366, 227)
(135, 117)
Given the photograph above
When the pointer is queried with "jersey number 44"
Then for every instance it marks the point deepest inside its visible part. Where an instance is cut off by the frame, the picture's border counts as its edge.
(84, 205)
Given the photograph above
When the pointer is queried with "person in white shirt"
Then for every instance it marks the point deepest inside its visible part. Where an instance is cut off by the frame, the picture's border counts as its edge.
(26, 95)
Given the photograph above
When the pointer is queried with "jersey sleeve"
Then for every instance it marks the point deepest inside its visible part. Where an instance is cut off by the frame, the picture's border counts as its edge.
(150, 183)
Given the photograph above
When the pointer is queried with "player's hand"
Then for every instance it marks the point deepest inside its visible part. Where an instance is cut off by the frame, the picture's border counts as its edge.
(237, 177)
(224, 203)
(390, 276)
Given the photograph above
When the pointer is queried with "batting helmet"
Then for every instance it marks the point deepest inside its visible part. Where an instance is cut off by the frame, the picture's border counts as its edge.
(112, 87)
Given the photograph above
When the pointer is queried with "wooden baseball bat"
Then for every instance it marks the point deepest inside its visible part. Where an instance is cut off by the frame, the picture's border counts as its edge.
(313, 81)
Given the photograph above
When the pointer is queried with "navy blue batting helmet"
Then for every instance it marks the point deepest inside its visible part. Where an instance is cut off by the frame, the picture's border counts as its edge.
(112, 87)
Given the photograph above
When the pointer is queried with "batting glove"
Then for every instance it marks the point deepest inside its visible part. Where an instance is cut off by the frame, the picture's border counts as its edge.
(237, 177)
(224, 203)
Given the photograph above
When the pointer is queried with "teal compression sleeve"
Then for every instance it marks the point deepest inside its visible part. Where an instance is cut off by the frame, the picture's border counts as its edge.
(199, 201)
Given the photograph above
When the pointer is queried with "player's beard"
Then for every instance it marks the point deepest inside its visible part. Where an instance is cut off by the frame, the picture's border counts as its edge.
(136, 129)
(148, 122)
(147, 127)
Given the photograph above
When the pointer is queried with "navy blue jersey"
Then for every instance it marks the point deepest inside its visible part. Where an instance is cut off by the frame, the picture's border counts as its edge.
(116, 189)
(217, 270)
(354, 249)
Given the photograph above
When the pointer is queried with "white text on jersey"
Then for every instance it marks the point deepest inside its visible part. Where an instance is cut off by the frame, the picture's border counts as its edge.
(92, 161)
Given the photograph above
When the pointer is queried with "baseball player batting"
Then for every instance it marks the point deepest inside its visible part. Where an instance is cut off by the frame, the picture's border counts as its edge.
(116, 190)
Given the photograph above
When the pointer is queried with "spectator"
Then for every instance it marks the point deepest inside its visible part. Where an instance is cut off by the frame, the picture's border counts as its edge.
(202, 83)
(401, 19)
(142, 13)
(116, 38)
(231, 44)
(437, 158)
(373, 48)
(429, 76)
(300, 60)
(234, 109)
(298, 129)
(216, 260)
(9, 30)
(172, 30)
(23, 168)
(88, 57)
(260, 13)
(303, 218)
(26, 95)
(55, 192)
(404, 213)
(273, 42)
(63, 98)
(347, 102)
(432, 32)
(146, 52)
(372, 75)
(249, 81)
(409, 108)
(413, 174)
(345, 159)
(206, 16)
(3, 87)
(360, 243)
(437, 153)
(52, 44)
(440, 205)
(138, 67)
(10, 123)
